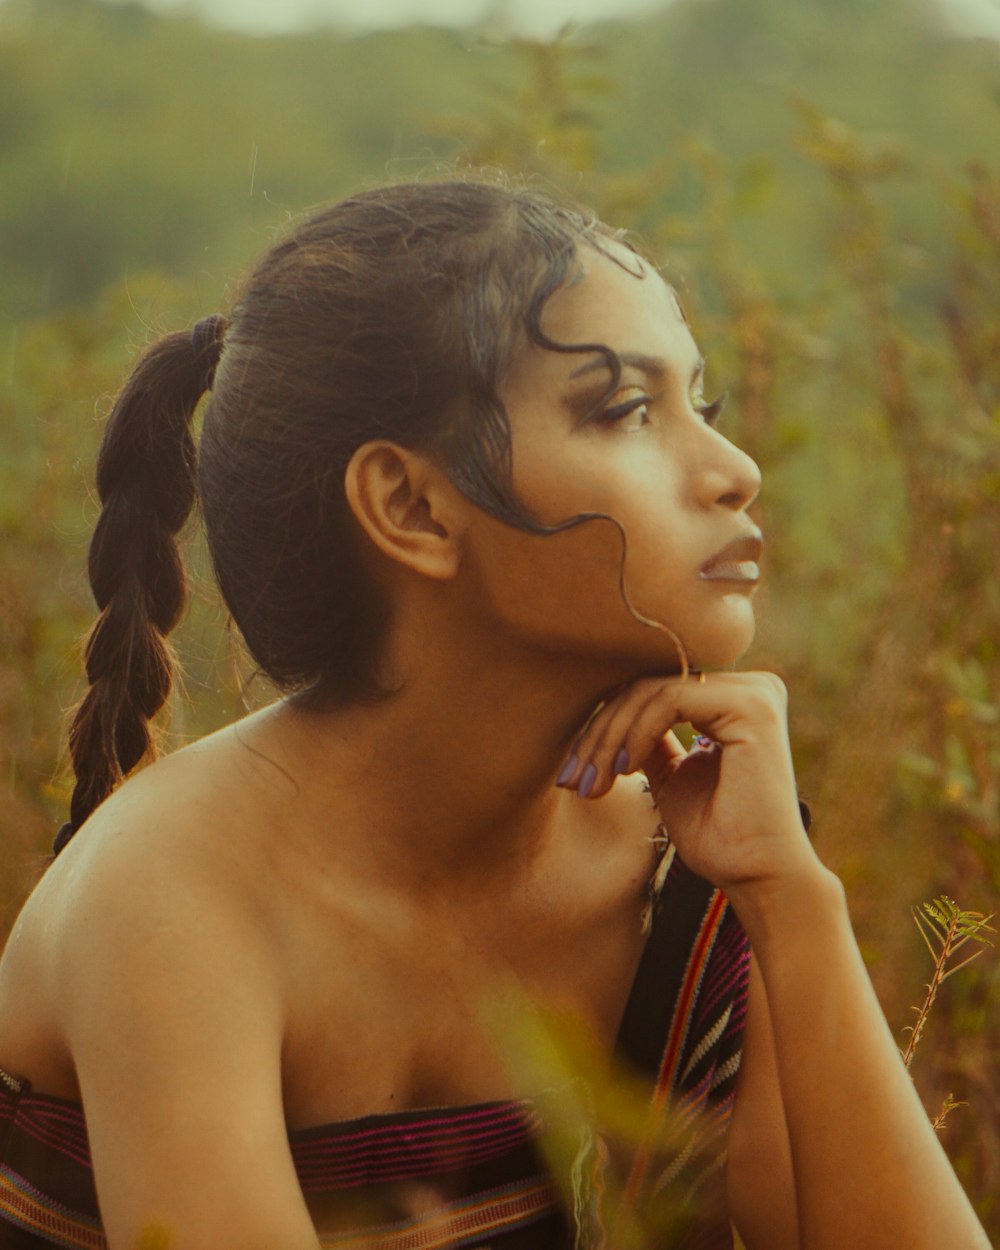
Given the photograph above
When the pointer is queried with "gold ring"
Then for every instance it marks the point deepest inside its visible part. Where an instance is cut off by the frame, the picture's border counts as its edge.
(701, 678)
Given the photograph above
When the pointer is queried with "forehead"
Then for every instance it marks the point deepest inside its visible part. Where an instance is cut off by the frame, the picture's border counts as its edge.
(626, 306)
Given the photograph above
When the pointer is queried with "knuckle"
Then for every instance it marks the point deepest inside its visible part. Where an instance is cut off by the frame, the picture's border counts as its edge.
(778, 689)
(769, 690)
(777, 682)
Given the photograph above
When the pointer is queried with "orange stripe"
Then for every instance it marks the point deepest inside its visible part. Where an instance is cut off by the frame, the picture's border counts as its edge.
(441, 1230)
(65, 1228)
(452, 1224)
(672, 1052)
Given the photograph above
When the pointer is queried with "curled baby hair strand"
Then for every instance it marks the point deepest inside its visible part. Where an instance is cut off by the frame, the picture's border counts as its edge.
(392, 314)
(146, 486)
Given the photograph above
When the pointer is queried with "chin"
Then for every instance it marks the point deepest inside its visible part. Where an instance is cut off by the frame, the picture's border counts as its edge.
(720, 659)
(716, 640)
(718, 648)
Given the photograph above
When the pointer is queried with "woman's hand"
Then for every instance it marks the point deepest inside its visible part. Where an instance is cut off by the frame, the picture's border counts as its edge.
(729, 804)
(855, 1123)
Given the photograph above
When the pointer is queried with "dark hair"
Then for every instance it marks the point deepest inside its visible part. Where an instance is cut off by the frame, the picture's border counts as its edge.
(392, 314)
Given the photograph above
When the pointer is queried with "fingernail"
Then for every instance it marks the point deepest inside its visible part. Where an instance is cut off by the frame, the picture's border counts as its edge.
(568, 769)
(702, 743)
(587, 781)
(621, 762)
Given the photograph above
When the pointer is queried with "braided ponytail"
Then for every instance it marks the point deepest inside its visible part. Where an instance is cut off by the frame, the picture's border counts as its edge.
(146, 484)
(394, 314)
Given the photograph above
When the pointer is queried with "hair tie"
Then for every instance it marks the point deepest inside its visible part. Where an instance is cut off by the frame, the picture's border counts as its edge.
(206, 338)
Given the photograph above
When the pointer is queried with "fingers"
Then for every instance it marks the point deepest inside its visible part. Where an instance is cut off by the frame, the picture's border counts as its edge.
(600, 754)
(665, 764)
(634, 728)
(611, 745)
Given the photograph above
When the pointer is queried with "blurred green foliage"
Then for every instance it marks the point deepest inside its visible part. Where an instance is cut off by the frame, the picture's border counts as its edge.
(821, 182)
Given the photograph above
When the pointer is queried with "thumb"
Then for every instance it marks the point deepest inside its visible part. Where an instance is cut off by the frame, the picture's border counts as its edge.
(667, 755)
(683, 782)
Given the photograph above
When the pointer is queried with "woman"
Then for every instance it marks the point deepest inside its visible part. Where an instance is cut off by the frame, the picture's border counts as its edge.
(461, 487)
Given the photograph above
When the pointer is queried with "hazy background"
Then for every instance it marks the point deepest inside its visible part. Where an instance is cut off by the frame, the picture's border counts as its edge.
(541, 18)
(821, 179)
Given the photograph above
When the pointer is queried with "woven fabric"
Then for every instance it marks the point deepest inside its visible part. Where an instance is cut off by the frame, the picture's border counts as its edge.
(682, 1031)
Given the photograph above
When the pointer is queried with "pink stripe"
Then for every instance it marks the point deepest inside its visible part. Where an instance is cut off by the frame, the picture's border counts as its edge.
(63, 1126)
(405, 1150)
(723, 980)
(412, 1141)
(390, 1144)
(70, 1128)
(506, 1112)
(422, 1164)
(711, 1005)
(78, 1151)
(54, 1108)
(730, 952)
(402, 1165)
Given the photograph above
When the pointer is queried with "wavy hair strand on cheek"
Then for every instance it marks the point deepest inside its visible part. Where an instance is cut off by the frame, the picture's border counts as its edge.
(390, 314)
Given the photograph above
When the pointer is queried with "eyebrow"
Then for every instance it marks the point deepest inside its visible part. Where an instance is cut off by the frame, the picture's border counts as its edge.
(652, 366)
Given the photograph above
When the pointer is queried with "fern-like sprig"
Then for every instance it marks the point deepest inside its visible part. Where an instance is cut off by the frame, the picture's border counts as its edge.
(947, 1107)
(946, 930)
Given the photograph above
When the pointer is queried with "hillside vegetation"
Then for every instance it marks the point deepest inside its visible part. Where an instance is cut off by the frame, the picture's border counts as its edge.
(820, 179)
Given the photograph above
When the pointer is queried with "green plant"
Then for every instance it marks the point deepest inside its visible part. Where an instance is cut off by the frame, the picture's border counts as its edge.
(947, 931)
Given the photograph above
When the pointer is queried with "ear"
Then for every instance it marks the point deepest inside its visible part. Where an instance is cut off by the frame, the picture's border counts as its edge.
(406, 506)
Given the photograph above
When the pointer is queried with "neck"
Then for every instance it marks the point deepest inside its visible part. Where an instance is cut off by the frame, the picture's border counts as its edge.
(453, 776)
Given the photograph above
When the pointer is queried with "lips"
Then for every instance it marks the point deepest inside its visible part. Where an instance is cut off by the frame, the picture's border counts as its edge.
(738, 561)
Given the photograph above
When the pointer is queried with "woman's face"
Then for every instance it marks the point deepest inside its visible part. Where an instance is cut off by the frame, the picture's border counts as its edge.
(650, 457)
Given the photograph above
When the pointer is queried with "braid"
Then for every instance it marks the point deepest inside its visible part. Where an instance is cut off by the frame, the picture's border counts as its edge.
(146, 485)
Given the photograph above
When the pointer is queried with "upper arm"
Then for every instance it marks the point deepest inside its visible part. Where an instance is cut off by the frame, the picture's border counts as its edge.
(172, 1016)
(759, 1177)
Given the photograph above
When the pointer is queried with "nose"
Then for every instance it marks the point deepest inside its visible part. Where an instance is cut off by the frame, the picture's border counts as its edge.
(729, 478)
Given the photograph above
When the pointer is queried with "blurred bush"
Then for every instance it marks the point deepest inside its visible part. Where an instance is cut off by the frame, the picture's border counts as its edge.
(821, 183)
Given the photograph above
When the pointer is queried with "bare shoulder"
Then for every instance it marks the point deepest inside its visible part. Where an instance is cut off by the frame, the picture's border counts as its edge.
(144, 978)
(147, 986)
(157, 902)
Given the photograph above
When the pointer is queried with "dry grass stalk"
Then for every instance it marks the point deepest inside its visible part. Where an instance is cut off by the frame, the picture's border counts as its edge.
(946, 930)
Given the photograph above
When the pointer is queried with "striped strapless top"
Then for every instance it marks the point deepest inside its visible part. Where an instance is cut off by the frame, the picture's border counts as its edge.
(485, 1175)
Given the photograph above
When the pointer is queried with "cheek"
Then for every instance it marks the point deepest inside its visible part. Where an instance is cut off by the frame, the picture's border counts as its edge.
(563, 586)
(561, 594)
(564, 590)
(626, 476)
(630, 484)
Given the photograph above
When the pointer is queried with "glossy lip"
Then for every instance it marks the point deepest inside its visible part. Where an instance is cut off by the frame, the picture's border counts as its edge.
(738, 561)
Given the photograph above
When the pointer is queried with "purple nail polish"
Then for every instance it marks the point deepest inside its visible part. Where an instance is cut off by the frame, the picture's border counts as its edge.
(587, 781)
(568, 769)
(703, 743)
(621, 761)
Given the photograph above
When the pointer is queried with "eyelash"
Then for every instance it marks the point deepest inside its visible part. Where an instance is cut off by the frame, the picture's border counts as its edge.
(619, 411)
(709, 413)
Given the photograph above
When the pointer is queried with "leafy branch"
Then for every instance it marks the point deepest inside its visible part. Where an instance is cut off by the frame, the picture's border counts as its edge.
(946, 930)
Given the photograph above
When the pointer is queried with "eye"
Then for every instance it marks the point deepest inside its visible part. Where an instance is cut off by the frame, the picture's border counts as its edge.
(710, 413)
(636, 407)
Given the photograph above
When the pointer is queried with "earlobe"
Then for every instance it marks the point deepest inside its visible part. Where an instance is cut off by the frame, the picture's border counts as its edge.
(402, 503)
